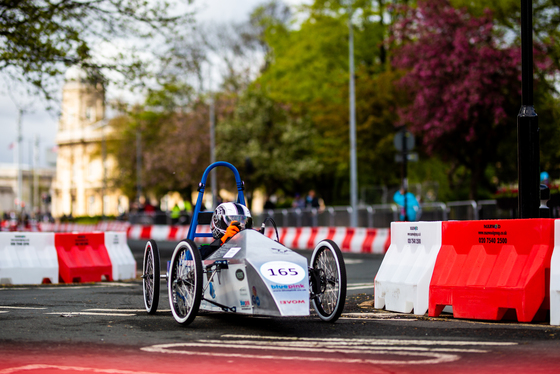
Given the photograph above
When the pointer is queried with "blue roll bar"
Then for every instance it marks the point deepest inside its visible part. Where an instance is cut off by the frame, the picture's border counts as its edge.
(201, 186)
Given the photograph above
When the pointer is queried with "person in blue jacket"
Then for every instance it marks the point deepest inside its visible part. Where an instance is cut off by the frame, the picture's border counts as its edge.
(412, 205)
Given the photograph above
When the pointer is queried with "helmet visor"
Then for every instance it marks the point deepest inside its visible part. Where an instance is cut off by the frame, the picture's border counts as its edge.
(239, 218)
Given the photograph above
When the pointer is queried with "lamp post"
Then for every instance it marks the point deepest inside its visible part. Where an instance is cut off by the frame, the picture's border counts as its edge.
(353, 161)
(19, 205)
(138, 164)
(527, 123)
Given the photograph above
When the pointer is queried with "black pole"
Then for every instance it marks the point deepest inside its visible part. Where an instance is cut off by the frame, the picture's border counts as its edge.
(527, 123)
(404, 171)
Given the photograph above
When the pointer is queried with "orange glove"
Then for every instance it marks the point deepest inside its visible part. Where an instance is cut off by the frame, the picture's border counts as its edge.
(232, 229)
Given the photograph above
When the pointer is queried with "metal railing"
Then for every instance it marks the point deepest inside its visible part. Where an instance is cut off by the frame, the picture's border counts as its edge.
(378, 216)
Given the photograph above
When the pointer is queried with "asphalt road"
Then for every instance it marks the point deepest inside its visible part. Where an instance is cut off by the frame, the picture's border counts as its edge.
(103, 328)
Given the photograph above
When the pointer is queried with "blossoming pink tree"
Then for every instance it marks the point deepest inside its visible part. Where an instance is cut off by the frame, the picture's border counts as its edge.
(464, 86)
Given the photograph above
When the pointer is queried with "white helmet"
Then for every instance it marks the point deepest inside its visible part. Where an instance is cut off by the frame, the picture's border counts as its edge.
(225, 214)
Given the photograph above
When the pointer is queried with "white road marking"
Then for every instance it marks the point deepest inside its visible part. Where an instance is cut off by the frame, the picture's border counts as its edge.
(96, 285)
(71, 314)
(375, 341)
(352, 262)
(42, 367)
(379, 319)
(359, 286)
(124, 310)
(370, 351)
(20, 307)
(432, 357)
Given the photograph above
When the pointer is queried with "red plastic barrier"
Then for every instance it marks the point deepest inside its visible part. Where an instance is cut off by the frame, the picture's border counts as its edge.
(82, 257)
(485, 268)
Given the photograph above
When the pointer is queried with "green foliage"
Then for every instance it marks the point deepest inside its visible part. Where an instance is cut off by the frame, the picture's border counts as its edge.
(278, 145)
(40, 39)
(309, 72)
(174, 142)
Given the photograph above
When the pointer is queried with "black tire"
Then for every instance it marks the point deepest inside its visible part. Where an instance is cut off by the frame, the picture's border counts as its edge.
(329, 290)
(151, 276)
(185, 282)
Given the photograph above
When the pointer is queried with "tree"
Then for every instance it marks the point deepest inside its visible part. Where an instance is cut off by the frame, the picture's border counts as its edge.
(308, 72)
(40, 39)
(173, 124)
(463, 82)
(278, 145)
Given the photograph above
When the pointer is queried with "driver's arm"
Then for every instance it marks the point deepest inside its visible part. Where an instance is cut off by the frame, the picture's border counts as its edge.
(232, 229)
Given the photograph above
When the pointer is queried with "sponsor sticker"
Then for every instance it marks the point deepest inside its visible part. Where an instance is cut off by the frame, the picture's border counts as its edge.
(287, 287)
(292, 301)
(232, 252)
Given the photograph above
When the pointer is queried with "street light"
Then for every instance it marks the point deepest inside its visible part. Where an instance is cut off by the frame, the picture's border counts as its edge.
(353, 162)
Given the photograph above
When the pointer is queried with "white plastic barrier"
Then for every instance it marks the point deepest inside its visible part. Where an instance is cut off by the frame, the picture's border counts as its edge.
(403, 280)
(555, 277)
(122, 260)
(28, 258)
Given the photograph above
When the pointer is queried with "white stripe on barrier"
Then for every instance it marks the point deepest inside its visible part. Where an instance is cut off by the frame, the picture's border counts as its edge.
(322, 234)
(290, 237)
(339, 236)
(403, 280)
(27, 258)
(357, 242)
(555, 277)
(181, 233)
(304, 237)
(381, 237)
(135, 232)
(159, 232)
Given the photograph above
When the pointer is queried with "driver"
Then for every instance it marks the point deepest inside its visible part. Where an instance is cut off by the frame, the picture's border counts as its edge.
(228, 219)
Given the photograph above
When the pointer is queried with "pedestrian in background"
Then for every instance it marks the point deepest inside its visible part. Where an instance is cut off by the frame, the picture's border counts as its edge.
(412, 205)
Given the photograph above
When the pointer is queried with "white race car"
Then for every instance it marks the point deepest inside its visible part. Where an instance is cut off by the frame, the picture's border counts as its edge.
(250, 274)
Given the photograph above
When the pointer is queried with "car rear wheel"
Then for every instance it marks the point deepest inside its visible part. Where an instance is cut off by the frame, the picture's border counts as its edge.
(328, 281)
(151, 276)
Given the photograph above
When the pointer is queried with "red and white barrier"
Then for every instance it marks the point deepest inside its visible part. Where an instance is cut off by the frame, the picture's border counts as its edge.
(483, 269)
(357, 240)
(28, 258)
(77, 227)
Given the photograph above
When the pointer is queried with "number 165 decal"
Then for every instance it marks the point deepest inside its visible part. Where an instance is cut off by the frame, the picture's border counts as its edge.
(282, 272)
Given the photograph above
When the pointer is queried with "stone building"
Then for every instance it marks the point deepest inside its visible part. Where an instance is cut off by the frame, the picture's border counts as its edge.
(81, 185)
(36, 184)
